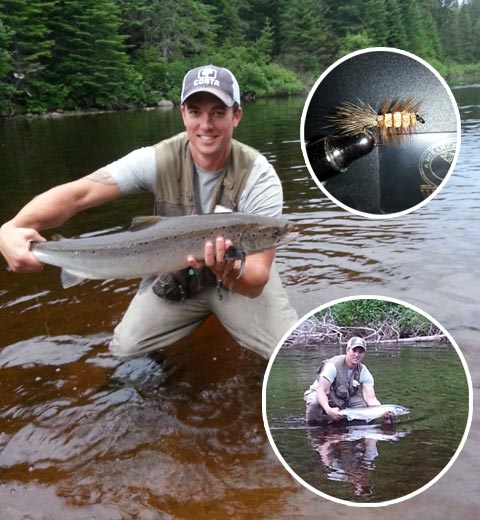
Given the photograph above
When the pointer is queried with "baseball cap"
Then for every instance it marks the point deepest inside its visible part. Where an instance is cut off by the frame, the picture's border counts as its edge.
(218, 81)
(356, 342)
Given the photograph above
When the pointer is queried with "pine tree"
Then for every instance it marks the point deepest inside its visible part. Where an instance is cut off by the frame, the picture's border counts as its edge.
(422, 35)
(474, 13)
(468, 44)
(178, 30)
(5, 71)
(264, 44)
(90, 57)
(226, 18)
(450, 31)
(134, 16)
(365, 20)
(307, 43)
(29, 46)
(395, 21)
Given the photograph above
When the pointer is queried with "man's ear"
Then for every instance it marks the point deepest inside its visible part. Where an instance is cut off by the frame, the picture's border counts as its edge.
(237, 116)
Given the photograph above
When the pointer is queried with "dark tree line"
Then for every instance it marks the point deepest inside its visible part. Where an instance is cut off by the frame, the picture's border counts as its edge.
(75, 54)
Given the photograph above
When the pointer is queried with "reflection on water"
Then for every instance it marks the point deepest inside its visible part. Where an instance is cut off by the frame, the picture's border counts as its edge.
(349, 453)
(86, 436)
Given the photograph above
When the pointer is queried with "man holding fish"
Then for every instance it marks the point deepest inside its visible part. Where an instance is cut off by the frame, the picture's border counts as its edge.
(202, 170)
(336, 391)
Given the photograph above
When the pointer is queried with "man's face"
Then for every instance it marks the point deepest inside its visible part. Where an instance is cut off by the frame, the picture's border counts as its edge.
(209, 124)
(354, 356)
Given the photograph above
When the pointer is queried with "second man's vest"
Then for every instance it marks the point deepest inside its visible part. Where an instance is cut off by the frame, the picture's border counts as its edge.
(341, 390)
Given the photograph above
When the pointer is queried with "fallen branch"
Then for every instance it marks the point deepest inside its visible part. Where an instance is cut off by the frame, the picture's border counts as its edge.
(314, 333)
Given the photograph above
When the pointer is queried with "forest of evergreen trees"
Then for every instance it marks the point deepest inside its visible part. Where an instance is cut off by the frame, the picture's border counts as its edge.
(82, 54)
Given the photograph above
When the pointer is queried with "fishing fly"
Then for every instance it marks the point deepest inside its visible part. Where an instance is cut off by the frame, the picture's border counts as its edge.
(393, 122)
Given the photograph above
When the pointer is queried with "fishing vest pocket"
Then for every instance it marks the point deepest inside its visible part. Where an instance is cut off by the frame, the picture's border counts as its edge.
(341, 391)
(174, 196)
(180, 285)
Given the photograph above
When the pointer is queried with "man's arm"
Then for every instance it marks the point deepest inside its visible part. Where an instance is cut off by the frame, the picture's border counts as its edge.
(50, 209)
(322, 398)
(255, 275)
(368, 392)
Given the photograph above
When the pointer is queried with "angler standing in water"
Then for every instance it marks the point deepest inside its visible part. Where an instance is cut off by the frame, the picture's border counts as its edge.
(338, 385)
(197, 171)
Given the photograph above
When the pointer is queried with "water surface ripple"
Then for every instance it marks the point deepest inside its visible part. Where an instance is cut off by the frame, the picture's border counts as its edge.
(84, 435)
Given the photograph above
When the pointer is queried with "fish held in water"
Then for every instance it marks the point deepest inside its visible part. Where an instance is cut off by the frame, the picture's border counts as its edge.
(370, 413)
(158, 245)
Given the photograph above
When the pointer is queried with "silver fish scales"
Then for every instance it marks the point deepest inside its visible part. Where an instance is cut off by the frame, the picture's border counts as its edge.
(156, 245)
(370, 413)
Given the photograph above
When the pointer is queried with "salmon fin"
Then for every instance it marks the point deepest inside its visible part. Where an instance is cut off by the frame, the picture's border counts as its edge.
(146, 283)
(57, 237)
(144, 222)
(69, 279)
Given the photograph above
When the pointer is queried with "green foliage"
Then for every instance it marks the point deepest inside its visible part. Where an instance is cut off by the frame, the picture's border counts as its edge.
(395, 21)
(373, 313)
(178, 29)
(227, 22)
(6, 90)
(353, 42)
(307, 40)
(76, 54)
(27, 39)
(263, 47)
(153, 70)
(422, 35)
(89, 57)
(5, 57)
(255, 76)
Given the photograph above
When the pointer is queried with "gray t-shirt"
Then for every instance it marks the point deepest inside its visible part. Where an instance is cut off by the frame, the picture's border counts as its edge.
(262, 193)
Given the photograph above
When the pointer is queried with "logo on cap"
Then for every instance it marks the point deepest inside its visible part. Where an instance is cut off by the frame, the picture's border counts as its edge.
(207, 73)
(207, 76)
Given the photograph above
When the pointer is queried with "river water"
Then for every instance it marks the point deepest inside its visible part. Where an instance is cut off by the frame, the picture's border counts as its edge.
(376, 462)
(181, 435)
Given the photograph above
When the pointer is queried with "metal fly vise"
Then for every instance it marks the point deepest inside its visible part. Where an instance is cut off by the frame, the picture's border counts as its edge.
(394, 121)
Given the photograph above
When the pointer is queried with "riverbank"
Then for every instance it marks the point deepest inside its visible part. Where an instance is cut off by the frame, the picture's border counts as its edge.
(164, 104)
(312, 333)
(57, 114)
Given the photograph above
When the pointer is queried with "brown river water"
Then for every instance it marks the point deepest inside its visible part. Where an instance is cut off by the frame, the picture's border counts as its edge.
(180, 435)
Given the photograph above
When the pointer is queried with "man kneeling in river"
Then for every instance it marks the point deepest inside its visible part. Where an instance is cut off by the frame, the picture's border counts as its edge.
(195, 172)
(338, 385)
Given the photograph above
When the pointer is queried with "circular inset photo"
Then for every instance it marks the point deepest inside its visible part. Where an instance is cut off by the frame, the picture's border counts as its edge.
(367, 401)
(380, 132)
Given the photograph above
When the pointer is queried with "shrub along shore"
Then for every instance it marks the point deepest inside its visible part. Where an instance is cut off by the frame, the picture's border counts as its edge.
(116, 54)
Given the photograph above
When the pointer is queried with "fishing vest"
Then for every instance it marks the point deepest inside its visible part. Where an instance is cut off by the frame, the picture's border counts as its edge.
(341, 390)
(174, 181)
(174, 197)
